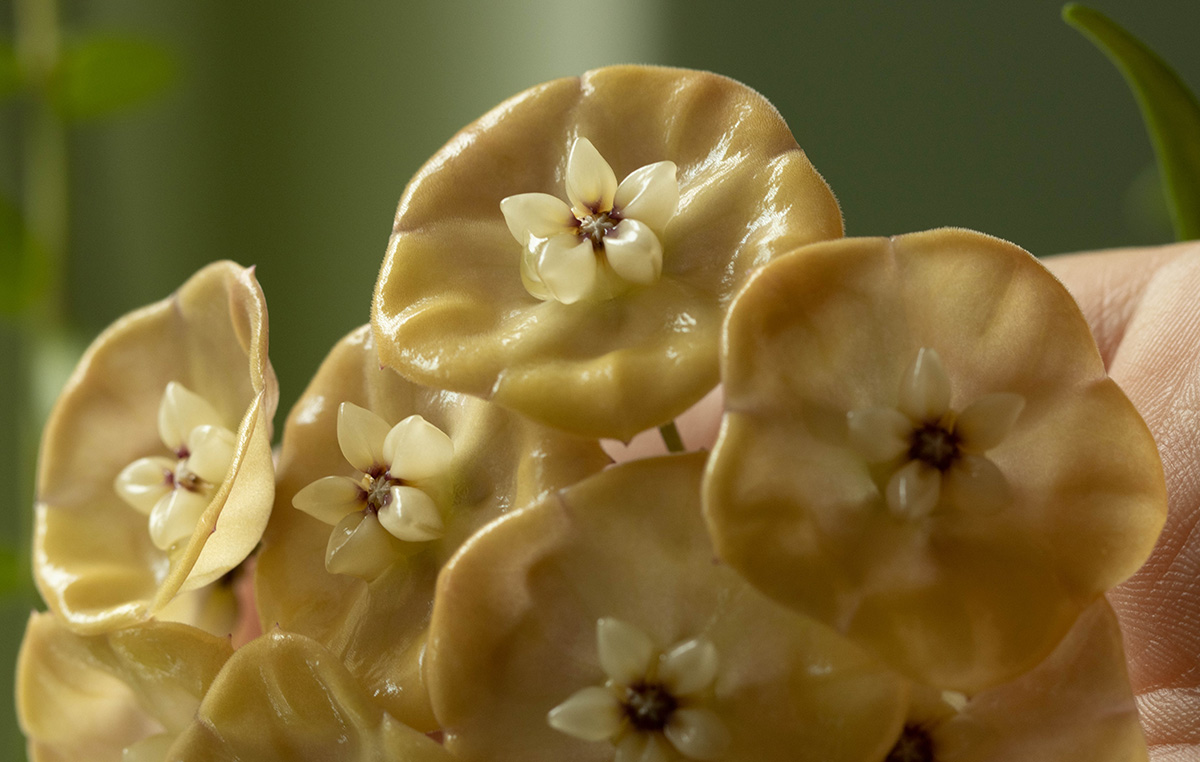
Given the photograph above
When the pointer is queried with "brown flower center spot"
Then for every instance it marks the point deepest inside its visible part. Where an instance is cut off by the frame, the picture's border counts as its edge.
(649, 706)
(934, 445)
(914, 745)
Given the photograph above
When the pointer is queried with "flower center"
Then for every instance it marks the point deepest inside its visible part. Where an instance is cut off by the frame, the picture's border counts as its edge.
(378, 486)
(648, 706)
(597, 225)
(934, 445)
(914, 745)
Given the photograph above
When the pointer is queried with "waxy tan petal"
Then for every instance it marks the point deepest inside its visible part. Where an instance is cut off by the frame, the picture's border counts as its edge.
(967, 598)
(925, 388)
(566, 265)
(976, 485)
(360, 547)
(913, 490)
(284, 697)
(91, 697)
(330, 498)
(623, 649)
(94, 561)
(144, 482)
(689, 667)
(212, 449)
(697, 734)
(650, 195)
(361, 435)
(1076, 706)
(446, 314)
(412, 515)
(514, 632)
(536, 214)
(501, 462)
(591, 714)
(985, 423)
(417, 450)
(175, 516)
(181, 411)
(879, 434)
(634, 253)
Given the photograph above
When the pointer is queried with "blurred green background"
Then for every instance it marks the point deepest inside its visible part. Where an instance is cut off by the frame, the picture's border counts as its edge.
(288, 130)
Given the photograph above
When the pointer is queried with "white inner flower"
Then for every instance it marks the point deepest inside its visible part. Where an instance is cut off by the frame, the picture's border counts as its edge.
(397, 466)
(607, 227)
(937, 452)
(174, 490)
(650, 698)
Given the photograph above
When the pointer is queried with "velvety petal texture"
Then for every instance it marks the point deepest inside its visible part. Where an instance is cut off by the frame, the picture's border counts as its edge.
(285, 698)
(373, 609)
(459, 302)
(94, 697)
(544, 607)
(94, 559)
(962, 585)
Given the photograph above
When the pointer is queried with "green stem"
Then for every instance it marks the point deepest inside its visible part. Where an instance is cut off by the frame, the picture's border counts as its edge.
(671, 438)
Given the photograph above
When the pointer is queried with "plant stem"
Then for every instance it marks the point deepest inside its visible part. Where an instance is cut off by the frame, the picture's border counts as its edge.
(671, 438)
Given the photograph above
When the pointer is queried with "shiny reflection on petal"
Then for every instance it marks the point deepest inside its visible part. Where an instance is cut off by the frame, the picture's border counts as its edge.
(537, 214)
(591, 183)
(634, 252)
(180, 411)
(359, 547)
(411, 515)
(567, 267)
(925, 389)
(416, 449)
(330, 498)
(144, 482)
(175, 516)
(649, 194)
(697, 733)
(591, 714)
(361, 434)
(625, 651)
(689, 667)
(212, 449)
(914, 490)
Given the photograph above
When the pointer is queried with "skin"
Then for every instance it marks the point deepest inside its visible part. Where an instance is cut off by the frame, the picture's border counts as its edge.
(1143, 309)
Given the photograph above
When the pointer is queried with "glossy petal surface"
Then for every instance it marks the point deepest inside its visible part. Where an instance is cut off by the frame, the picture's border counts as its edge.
(514, 632)
(284, 697)
(501, 461)
(91, 697)
(94, 561)
(963, 599)
(451, 309)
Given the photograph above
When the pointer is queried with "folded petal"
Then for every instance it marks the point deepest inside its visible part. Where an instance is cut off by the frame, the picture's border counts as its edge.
(986, 422)
(412, 515)
(536, 214)
(175, 516)
(591, 714)
(879, 434)
(634, 252)
(689, 667)
(212, 449)
(361, 434)
(359, 547)
(975, 484)
(591, 183)
(697, 733)
(330, 498)
(416, 450)
(144, 482)
(625, 651)
(567, 267)
(914, 489)
(925, 388)
(649, 194)
(182, 410)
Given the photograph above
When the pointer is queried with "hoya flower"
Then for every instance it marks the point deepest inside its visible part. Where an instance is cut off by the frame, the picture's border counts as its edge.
(594, 626)
(607, 228)
(284, 697)
(117, 697)
(922, 449)
(521, 271)
(1075, 706)
(155, 476)
(380, 481)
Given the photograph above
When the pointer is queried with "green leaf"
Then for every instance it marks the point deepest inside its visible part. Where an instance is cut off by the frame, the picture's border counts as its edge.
(1171, 112)
(10, 71)
(23, 271)
(101, 76)
(12, 576)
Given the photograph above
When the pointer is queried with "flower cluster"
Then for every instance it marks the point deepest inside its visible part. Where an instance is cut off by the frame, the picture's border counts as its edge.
(896, 549)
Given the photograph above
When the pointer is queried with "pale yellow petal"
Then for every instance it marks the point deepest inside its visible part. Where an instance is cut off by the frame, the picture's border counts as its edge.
(416, 450)
(590, 714)
(566, 265)
(412, 515)
(631, 747)
(175, 516)
(361, 435)
(330, 498)
(211, 450)
(649, 195)
(181, 411)
(697, 733)
(536, 214)
(986, 422)
(914, 490)
(145, 481)
(879, 434)
(285, 698)
(634, 252)
(624, 650)
(925, 387)
(975, 485)
(689, 667)
(359, 547)
(591, 183)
